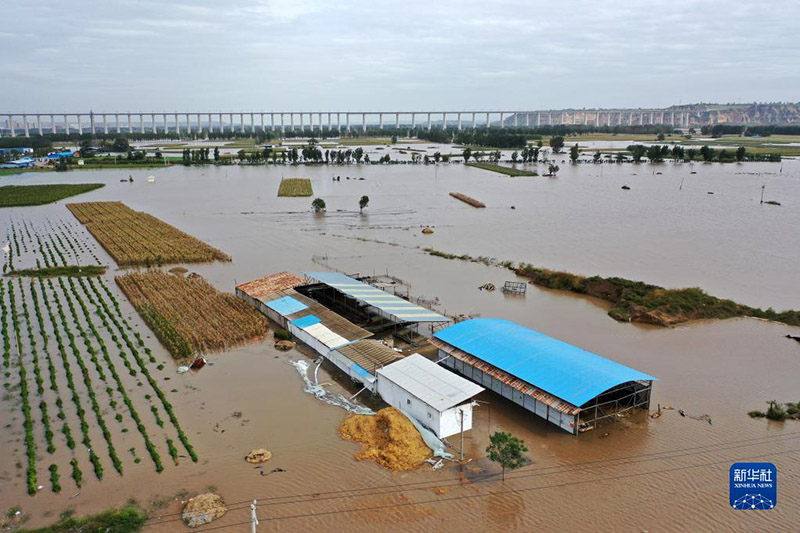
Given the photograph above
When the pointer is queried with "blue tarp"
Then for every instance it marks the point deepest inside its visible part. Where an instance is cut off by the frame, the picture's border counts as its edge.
(308, 320)
(566, 371)
(286, 306)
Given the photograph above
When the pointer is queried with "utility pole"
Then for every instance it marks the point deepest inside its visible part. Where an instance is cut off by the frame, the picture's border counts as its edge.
(253, 517)
(461, 449)
(762, 193)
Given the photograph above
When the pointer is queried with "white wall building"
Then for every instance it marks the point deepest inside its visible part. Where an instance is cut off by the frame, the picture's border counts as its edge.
(435, 397)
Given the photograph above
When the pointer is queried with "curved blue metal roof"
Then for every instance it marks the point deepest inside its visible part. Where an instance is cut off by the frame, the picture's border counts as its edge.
(571, 373)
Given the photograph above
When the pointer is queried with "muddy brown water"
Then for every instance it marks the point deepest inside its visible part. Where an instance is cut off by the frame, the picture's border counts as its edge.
(669, 473)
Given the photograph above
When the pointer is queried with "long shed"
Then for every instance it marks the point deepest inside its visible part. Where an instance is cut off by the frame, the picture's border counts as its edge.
(564, 384)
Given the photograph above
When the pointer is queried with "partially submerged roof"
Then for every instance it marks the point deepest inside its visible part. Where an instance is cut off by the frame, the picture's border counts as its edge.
(397, 308)
(263, 286)
(370, 354)
(434, 385)
(561, 369)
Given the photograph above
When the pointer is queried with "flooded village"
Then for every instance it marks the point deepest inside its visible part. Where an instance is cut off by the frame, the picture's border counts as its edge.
(305, 322)
(291, 266)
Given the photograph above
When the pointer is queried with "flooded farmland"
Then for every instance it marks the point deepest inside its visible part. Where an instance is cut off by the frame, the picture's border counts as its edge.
(652, 474)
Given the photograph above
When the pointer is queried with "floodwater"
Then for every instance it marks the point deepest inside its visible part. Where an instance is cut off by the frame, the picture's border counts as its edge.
(669, 473)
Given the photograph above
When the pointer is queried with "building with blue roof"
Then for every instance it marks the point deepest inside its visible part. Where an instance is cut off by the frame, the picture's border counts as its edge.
(564, 384)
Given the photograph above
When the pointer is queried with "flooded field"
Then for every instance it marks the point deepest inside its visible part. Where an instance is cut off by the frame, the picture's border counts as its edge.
(649, 474)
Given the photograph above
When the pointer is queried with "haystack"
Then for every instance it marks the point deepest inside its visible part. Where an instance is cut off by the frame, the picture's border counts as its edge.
(388, 438)
(203, 509)
(258, 456)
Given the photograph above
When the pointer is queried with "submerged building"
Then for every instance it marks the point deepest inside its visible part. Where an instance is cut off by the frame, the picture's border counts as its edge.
(564, 384)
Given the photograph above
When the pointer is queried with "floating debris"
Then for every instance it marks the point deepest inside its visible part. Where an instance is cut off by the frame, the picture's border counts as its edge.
(625, 188)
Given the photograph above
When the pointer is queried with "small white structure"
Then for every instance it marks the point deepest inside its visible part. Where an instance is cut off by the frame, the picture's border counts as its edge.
(437, 398)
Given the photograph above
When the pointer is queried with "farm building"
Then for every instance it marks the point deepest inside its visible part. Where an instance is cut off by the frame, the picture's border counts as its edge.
(566, 385)
(370, 307)
(362, 359)
(437, 398)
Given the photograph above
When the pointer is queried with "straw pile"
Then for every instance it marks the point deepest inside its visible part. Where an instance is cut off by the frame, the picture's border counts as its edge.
(203, 509)
(388, 438)
(467, 199)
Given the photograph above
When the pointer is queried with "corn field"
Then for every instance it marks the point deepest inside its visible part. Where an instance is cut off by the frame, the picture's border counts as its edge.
(295, 187)
(134, 238)
(190, 316)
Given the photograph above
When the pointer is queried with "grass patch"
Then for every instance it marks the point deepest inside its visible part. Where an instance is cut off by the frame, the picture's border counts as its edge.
(636, 301)
(125, 520)
(134, 238)
(295, 187)
(508, 171)
(25, 195)
(72, 271)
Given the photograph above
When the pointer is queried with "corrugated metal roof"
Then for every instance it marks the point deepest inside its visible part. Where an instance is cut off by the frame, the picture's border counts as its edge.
(308, 320)
(504, 377)
(434, 385)
(275, 282)
(337, 323)
(286, 306)
(320, 332)
(370, 354)
(566, 371)
(398, 308)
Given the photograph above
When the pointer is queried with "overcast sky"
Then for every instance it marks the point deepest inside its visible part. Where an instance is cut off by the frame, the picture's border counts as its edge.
(344, 55)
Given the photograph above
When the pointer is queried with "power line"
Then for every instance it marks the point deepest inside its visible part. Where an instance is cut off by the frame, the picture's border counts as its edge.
(472, 496)
(565, 469)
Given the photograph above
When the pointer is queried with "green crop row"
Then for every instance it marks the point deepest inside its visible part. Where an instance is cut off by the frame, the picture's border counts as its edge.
(95, 460)
(30, 443)
(112, 452)
(120, 387)
(143, 369)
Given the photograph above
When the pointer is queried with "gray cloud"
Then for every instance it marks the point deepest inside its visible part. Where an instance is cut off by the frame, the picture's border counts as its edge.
(385, 55)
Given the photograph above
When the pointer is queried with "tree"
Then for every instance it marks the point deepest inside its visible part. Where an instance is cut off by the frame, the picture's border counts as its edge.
(363, 202)
(637, 152)
(654, 154)
(216, 153)
(574, 153)
(394, 139)
(358, 154)
(318, 204)
(707, 152)
(506, 450)
(740, 153)
(467, 153)
(514, 156)
(120, 144)
(660, 137)
(552, 170)
(557, 143)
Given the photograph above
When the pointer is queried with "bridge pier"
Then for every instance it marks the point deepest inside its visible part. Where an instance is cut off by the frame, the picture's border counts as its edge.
(444, 121)
(429, 122)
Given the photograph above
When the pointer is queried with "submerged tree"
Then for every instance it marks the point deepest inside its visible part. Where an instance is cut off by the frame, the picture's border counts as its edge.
(506, 450)
(363, 202)
(552, 170)
(574, 153)
(557, 143)
(318, 204)
(740, 153)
